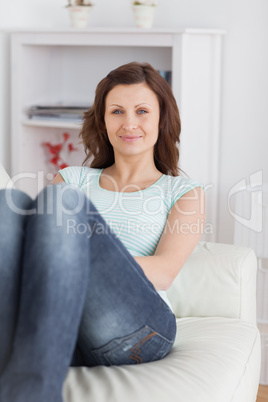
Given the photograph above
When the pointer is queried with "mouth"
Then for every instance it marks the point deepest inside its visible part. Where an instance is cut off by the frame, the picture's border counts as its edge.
(128, 138)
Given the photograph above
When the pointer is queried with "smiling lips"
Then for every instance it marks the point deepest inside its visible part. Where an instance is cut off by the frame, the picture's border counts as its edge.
(128, 138)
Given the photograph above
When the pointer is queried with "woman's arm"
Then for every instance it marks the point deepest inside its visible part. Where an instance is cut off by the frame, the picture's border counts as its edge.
(181, 234)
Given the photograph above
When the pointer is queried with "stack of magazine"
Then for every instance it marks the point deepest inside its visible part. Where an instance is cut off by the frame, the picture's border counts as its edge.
(57, 112)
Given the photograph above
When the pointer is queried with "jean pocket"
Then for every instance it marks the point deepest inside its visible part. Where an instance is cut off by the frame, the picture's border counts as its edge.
(144, 345)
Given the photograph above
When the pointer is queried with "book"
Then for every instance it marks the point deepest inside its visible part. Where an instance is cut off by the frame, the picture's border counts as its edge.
(57, 112)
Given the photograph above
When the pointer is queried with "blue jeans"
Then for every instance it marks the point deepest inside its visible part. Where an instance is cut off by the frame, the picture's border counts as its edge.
(70, 294)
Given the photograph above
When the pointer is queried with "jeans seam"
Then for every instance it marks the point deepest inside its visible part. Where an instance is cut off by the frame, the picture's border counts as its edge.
(136, 348)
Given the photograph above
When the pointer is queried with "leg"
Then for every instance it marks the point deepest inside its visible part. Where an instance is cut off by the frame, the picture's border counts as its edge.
(11, 245)
(124, 320)
(53, 289)
(55, 272)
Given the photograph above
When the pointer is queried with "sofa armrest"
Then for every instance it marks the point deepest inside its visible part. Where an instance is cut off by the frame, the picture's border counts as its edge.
(4, 178)
(217, 280)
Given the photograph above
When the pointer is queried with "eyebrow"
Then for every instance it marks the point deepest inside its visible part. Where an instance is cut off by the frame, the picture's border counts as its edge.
(140, 104)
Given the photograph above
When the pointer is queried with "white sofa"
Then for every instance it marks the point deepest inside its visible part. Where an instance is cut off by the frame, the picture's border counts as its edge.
(4, 178)
(216, 357)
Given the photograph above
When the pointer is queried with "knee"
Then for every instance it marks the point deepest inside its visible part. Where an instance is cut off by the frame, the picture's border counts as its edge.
(14, 208)
(14, 201)
(65, 205)
(59, 200)
(66, 197)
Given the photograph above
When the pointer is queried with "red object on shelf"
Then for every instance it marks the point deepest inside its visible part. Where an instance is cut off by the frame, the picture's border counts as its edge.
(56, 149)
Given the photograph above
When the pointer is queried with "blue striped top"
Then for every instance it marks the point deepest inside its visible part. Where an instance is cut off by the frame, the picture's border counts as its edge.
(137, 218)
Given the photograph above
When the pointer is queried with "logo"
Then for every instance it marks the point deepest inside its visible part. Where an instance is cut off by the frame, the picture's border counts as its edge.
(254, 222)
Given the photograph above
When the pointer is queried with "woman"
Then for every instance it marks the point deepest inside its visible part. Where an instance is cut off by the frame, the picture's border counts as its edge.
(92, 256)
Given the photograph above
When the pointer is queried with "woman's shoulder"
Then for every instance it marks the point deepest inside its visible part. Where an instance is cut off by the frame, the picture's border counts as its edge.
(79, 175)
(177, 186)
(181, 181)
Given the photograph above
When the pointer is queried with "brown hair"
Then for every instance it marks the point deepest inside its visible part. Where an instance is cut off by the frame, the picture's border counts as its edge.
(94, 135)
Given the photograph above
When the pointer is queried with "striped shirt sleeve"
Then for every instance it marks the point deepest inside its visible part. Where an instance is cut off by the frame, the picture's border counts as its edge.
(182, 186)
(72, 175)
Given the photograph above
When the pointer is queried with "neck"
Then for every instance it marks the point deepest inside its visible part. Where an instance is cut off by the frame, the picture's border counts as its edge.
(134, 169)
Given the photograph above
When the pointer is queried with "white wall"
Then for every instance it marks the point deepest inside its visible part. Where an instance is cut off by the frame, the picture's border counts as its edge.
(244, 136)
(4, 100)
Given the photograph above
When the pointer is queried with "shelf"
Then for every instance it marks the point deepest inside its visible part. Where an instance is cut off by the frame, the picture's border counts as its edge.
(179, 30)
(49, 66)
(52, 124)
(129, 37)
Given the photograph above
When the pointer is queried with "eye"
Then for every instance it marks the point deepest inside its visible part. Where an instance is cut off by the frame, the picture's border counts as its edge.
(142, 111)
(117, 111)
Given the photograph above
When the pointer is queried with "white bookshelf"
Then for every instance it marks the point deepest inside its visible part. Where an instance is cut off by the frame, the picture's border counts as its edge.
(51, 124)
(65, 66)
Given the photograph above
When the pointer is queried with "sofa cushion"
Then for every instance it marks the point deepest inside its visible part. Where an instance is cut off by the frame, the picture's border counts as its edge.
(211, 358)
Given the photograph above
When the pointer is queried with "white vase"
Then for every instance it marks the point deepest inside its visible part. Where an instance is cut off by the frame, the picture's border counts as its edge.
(79, 16)
(144, 16)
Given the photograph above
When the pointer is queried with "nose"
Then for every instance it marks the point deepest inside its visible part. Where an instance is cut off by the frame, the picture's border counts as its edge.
(130, 122)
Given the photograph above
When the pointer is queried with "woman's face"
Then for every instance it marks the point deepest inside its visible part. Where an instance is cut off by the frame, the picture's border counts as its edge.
(132, 119)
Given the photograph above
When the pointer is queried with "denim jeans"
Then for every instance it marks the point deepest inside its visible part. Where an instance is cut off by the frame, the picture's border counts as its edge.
(70, 294)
